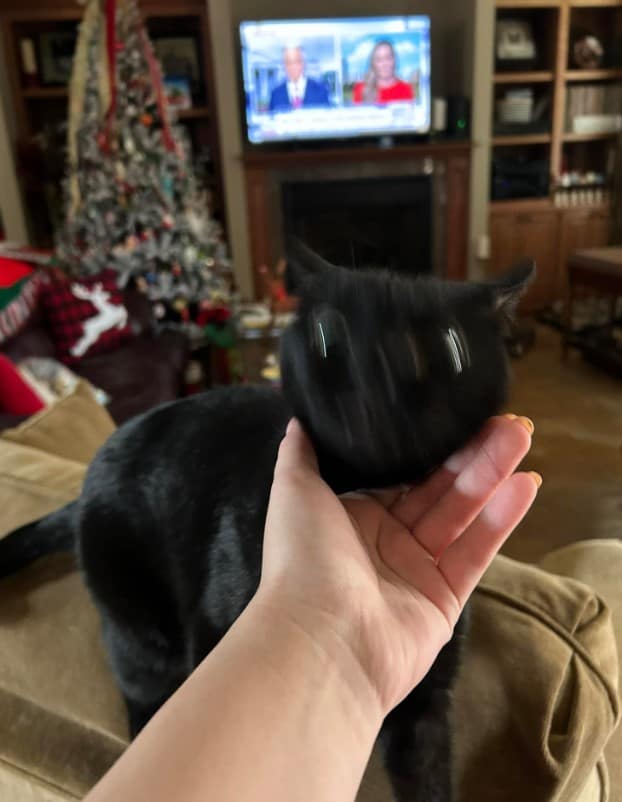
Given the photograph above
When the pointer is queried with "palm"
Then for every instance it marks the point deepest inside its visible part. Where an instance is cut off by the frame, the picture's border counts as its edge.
(395, 569)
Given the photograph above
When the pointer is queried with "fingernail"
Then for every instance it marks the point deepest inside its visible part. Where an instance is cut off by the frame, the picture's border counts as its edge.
(537, 478)
(510, 416)
(290, 425)
(527, 423)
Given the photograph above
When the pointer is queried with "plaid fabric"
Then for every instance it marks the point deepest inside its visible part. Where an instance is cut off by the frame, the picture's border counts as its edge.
(85, 316)
(19, 289)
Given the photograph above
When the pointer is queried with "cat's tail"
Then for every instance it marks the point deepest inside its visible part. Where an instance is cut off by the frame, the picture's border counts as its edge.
(55, 532)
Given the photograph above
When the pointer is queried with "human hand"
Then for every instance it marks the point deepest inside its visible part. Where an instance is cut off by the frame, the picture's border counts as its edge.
(381, 578)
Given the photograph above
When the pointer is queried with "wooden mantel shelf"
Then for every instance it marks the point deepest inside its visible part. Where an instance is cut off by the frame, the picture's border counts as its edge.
(266, 170)
(275, 159)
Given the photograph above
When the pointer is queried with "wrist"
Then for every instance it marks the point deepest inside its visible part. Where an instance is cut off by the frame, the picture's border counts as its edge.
(318, 652)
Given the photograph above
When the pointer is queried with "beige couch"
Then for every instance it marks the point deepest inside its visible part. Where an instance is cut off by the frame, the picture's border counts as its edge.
(535, 706)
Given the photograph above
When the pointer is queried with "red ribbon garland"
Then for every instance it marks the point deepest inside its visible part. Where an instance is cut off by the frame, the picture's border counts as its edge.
(111, 47)
(156, 82)
(154, 72)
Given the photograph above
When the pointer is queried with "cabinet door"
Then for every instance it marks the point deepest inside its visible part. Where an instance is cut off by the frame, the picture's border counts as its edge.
(527, 235)
(536, 237)
(580, 228)
(502, 250)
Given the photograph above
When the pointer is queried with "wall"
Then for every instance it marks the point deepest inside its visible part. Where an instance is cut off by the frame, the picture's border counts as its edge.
(482, 114)
(11, 209)
(452, 59)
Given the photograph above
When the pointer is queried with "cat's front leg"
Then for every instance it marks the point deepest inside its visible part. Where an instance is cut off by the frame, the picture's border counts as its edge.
(416, 736)
(417, 743)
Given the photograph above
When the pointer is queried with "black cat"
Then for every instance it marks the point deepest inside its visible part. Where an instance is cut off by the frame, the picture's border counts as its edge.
(389, 374)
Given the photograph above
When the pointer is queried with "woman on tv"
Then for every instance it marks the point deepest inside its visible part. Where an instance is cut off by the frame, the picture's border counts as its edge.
(382, 84)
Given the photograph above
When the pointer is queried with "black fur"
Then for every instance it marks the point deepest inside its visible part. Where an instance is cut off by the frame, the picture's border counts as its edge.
(389, 375)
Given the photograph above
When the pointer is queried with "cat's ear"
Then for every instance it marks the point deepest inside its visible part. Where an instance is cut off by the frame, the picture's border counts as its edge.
(303, 264)
(508, 289)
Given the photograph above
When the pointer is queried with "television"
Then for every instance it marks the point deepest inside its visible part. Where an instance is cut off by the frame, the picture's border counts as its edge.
(335, 78)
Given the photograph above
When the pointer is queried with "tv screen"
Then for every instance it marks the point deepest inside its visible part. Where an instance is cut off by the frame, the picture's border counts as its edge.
(333, 78)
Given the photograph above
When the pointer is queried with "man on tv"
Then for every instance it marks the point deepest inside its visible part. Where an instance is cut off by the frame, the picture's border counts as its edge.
(298, 91)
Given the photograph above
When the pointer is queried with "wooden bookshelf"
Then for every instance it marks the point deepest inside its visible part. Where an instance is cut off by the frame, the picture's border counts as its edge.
(44, 92)
(521, 139)
(534, 77)
(593, 75)
(544, 227)
(571, 137)
(42, 106)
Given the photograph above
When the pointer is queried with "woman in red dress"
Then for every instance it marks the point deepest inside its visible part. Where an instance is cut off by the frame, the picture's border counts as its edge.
(382, 84)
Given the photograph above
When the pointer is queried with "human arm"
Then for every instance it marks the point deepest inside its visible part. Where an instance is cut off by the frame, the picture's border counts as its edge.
(357, 597)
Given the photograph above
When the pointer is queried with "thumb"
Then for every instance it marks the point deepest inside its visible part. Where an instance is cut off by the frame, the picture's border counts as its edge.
(296, 453)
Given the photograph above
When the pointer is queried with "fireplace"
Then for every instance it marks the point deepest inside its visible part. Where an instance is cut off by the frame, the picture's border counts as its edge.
(404, 207)
(369, 222)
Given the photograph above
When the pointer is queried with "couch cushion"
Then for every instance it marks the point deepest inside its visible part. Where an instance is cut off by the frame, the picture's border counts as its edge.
(534, 706)
(598, 563)
(86, 316)
(537, 698)
(73, 427)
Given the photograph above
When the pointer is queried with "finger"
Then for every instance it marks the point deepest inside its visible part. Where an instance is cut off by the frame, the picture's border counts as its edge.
(464, 562)
(296, 452)
(410, 508)
(495, 460)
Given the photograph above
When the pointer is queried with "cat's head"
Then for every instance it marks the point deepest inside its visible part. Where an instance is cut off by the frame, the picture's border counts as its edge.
(391, 374)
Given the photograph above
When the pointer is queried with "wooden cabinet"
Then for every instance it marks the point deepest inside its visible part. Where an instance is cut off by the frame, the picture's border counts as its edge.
(517, 235)
(580, 228)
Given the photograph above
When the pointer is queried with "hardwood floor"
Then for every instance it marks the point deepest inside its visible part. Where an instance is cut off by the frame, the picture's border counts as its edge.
(577, 447)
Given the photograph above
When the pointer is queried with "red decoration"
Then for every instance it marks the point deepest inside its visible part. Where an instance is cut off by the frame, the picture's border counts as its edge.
(111, 10)
(156, 82)
(212, 314)
(16, 396)
(274, 287)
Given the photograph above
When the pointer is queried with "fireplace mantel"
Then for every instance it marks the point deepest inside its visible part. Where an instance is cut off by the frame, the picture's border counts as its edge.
(266, 170)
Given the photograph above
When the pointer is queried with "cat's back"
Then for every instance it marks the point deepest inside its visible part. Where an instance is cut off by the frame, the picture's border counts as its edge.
(211, 433)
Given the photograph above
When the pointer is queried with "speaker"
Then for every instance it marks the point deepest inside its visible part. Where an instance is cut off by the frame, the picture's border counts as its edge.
(458, 117)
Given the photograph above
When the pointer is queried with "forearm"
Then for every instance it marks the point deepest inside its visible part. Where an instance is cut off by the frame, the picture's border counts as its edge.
(270, 714)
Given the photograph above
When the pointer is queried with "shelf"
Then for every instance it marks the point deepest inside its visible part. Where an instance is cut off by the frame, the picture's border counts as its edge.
(590, 137)
(595, 3)
(593, 75)
(522, 205)
(527, 5)
(521, 139)
(44, 92)
(196, 113)
(534, 77)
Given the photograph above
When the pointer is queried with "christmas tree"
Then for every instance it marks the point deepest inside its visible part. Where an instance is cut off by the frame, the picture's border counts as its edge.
(132, 201)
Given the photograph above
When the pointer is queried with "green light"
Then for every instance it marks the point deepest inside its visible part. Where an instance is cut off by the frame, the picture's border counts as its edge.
(462, 124)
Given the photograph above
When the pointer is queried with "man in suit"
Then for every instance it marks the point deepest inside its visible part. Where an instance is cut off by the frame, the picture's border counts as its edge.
(297, 91)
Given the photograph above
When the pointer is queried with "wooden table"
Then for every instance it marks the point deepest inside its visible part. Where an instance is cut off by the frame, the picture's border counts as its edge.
(598, 270)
